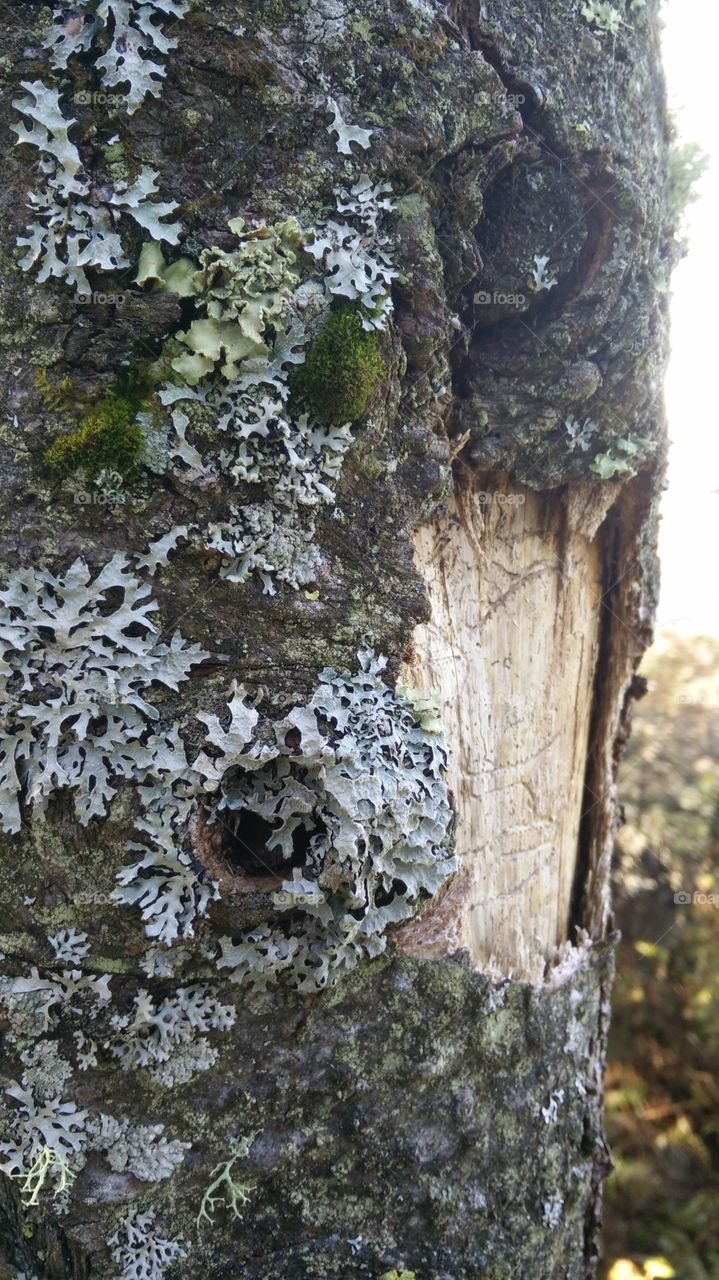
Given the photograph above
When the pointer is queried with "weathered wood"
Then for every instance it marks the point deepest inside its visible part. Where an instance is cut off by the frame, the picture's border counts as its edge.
(511, 650)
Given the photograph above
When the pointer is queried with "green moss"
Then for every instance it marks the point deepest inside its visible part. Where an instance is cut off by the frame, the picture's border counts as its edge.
(106, 439)
(58, 396)
(342, 368)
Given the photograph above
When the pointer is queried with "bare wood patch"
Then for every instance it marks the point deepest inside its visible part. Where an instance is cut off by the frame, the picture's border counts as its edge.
(515, 590)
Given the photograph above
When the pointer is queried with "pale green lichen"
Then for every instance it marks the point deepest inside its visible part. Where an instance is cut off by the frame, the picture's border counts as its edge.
(242, 293)
(48, 1171)
(427, 707)
(176, 278)
(225, 1189)
(622, 458)
(603, 16)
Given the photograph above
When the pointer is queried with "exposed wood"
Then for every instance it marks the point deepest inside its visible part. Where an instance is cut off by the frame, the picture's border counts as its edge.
(511, 651)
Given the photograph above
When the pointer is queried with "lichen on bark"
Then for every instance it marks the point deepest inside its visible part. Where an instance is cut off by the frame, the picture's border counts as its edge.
(391, 1117)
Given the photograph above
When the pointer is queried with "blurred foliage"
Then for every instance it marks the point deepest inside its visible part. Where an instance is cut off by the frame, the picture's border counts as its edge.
(662, 1202)
(687, 166)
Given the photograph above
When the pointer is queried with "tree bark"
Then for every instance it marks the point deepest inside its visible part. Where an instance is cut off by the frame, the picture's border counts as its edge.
(437, 1110)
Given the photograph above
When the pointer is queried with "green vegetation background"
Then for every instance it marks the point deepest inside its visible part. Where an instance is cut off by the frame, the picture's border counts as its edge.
(662, 1207)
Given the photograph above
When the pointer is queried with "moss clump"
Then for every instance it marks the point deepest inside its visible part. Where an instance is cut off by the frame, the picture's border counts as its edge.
(106, 439)
(342, 368)
(58, 396)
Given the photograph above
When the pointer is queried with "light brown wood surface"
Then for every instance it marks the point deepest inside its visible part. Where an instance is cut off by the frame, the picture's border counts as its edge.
(513, 579)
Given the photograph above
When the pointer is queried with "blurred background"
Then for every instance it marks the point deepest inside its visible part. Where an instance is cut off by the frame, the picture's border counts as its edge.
(662, 1204)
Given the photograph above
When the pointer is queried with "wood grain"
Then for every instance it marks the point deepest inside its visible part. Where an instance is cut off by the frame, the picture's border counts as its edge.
(511, 650)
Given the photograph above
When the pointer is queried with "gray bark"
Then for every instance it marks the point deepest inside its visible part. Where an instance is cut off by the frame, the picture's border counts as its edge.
(422, 1114)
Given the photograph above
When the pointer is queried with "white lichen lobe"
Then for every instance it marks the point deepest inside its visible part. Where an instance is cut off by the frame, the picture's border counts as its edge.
(139, 1250)
(78, 655)
(362, 787)
(136, 45)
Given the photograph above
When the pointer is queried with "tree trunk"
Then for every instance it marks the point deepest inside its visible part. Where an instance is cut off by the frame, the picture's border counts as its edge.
(379, 1060)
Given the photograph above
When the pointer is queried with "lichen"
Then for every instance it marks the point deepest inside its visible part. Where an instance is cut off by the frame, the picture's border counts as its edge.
(75, 221)
(164, 882)
(346, 133)
(268, 447)
(150, 1033)
(76, 661)
(622, 458)
(356, 265)
(364, 789)
(69, 946)
(240, 293)
(46, 1070)
(603, 16)
(541, 279)
(258, 304)
(553, 1211)
(365, 772)
(142, 1149)
(33, 1006)
(342, 368)
(580, 433)
(224, 1188)
(140, 1251)
(259, 301)
(46, 1143)
(269, 540)
(136, 41)
(49, 1168)
(251, 284)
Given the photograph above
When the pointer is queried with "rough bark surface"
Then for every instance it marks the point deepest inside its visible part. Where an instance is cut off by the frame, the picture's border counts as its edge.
(439, 1110)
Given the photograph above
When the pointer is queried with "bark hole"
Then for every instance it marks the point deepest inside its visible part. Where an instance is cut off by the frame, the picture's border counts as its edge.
(246, 838)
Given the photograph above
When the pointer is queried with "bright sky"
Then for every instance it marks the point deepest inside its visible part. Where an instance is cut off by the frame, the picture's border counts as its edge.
(689, 541)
